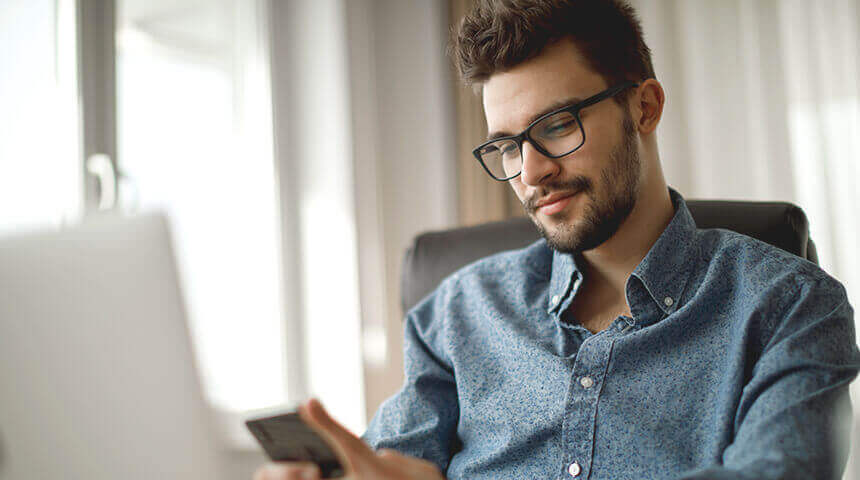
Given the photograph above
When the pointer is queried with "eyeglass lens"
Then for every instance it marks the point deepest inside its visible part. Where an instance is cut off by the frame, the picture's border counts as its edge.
(558, 134)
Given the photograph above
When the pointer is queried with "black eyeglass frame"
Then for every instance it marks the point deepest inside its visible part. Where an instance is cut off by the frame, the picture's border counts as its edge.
(526, 134)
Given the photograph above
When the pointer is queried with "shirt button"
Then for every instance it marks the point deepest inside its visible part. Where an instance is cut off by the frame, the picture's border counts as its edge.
(574, 469)
(586, 382)
(554, 299)
(668, 301)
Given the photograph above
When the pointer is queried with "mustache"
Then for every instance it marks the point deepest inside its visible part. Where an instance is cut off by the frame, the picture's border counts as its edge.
(575, 185)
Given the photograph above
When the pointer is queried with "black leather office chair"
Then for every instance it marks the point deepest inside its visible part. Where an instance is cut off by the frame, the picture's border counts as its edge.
(435, 255)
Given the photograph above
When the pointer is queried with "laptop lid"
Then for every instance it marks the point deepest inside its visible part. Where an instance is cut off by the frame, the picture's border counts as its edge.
(97, 375)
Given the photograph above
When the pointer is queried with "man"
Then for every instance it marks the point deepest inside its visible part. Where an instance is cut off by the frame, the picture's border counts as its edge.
(626, 343)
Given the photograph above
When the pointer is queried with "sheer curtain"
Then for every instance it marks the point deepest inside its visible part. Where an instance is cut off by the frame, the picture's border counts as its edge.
(763, 104)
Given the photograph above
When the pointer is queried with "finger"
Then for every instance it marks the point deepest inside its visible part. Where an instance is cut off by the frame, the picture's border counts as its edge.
(393, 458)
(404, 466)
(390, 454)
(349, 447)
(288, 471)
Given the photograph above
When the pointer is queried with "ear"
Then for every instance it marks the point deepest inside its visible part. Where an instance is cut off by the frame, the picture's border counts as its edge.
(647, 105)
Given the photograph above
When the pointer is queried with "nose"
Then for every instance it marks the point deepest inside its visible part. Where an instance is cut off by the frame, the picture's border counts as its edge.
(537, 167)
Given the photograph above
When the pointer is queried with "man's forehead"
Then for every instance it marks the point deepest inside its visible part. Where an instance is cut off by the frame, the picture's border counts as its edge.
(511, 103)
(512, 97)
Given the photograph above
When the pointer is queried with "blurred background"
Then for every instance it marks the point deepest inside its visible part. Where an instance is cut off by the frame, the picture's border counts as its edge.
(298, 146)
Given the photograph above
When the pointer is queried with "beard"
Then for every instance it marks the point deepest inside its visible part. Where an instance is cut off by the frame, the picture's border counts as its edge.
(601, 217)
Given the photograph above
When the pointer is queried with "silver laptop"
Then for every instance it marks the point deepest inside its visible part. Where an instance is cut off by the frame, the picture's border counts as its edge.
(97, 376)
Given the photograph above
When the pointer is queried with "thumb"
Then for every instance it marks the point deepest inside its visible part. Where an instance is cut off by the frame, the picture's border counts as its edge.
(351, 450)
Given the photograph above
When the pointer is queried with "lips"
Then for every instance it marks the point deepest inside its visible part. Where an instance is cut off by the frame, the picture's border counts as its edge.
(557, 205)
(554, 198)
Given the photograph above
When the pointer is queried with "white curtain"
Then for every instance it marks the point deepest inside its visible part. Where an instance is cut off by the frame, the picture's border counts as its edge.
(362, 119)
(763, 103)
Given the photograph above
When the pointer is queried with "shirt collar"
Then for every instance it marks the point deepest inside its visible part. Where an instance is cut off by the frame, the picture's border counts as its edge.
(669, 263)
(664, 271)
(564, 274)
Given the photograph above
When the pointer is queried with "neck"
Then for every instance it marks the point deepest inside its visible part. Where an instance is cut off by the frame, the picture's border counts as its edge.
(610, 264)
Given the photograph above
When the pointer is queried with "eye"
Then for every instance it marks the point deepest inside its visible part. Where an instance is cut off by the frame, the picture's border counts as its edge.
(509, 148)
(561, 127)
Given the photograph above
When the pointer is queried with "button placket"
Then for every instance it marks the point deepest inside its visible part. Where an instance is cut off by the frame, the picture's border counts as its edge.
(578, 428)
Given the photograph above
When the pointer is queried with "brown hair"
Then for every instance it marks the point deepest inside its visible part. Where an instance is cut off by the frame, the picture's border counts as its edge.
(500, 34)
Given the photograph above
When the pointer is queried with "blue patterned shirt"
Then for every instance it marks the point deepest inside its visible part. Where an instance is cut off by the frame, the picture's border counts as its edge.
(735, 364)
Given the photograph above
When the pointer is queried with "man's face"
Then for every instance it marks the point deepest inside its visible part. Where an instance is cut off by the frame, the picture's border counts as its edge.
(604, 173)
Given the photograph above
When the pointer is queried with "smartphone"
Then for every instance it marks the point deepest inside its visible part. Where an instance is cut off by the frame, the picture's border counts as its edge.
(286, 438)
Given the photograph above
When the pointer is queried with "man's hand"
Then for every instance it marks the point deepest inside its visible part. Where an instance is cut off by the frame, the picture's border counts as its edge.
(360, 462)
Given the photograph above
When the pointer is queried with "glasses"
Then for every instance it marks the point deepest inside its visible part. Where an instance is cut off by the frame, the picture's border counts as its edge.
(555, 134)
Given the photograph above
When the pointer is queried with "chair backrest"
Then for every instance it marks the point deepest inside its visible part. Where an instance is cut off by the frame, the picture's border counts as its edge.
(435, 255)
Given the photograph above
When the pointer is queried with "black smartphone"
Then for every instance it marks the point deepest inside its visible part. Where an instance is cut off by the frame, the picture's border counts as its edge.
(286, 438)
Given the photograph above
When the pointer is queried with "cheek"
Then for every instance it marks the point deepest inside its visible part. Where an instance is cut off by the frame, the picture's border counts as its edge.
(599, 135)
(519, 188)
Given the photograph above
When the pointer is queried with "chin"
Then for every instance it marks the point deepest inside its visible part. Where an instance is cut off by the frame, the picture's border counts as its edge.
(571, 234)
(561, 234)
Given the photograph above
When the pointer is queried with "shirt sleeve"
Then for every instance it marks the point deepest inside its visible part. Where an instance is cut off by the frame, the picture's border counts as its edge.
(794, 417)
(421, 419)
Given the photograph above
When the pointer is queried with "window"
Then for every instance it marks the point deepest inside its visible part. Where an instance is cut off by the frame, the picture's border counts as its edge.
(189, 130)
(40, 168)
(194, 139)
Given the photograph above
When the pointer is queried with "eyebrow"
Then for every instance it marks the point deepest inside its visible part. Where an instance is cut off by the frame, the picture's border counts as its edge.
(553, 106)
